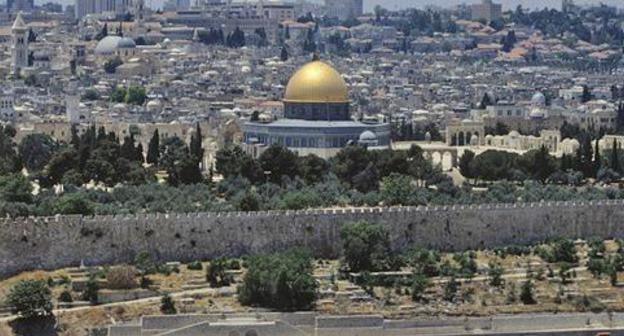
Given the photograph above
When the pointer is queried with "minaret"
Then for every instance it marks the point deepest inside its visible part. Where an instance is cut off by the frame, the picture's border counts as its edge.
(19, 49)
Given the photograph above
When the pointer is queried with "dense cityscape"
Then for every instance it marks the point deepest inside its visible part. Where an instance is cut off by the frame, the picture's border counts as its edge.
(256, 167)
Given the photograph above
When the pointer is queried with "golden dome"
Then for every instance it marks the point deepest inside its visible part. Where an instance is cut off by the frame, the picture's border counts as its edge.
(316, 82)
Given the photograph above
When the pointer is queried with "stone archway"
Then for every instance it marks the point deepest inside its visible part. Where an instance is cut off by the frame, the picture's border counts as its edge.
(448, 161)
(436, 158)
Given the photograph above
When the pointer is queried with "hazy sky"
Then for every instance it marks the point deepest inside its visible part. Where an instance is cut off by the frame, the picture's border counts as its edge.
(396, 4)
(507, 4)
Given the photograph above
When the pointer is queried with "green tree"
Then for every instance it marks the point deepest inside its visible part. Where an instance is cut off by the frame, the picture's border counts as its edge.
(196, 143)
(91, 292)
(284, 54)
(73, 204)
(280, 162)
(539, 164)
(36, 150)
(367, 180)
(216, 273)
(396, 189)
(181, 166)
(495, 274)
(564, 250)
(526, 293)
(9, 159)
(615, 160)
(450, 289)
(228, 161)
(280, 281)
(30, 299)
(60, 163)
(312, 168)
(167, 306)
(465, 164)
(15, 188)
(110, 66)
(366, 247)
(102, 33)
(485, 101)
(153, 149)
(249, 201)
(90, 94)
(586, 95)
(118, 95)
(420, 283)
(135, 95)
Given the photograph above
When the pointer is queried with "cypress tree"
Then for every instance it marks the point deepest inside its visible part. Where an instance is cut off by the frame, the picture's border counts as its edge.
(138, 156)
(127, 148)
(196, 144)
(284, 55)
(153, 149)
(597, 158)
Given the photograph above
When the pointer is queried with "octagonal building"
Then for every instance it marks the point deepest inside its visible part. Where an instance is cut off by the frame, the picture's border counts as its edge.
(316, 119)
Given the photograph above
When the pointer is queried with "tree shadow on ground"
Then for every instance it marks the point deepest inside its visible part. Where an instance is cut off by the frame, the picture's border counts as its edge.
(39, 326)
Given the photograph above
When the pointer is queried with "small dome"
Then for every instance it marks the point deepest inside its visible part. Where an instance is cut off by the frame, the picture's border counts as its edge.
(126, 43)
(488, 137)
(41, 55)
(514, 134)
(368, 136)
(538, 99)
(537, 113)
(428, 136)
(107, 45)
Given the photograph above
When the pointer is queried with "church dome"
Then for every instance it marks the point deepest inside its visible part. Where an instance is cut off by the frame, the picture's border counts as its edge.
(316, 82)
(107, 45)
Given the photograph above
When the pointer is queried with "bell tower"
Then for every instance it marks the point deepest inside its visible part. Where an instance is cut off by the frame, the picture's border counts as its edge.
(19, 48)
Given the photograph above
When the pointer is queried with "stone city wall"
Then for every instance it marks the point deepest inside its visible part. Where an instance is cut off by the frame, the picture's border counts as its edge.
(61, 241)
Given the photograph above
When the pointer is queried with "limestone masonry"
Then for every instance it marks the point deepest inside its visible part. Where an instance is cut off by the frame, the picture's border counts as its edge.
(61, 241)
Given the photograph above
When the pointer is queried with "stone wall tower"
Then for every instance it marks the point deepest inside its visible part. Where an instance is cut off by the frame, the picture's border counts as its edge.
(19, 47)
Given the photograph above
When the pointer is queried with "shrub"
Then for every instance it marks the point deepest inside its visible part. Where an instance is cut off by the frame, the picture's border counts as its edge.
(195, 266)
(495, 274)
(564, 251)
(167, 306)
(234, 264)
(30, 298)
(144, 263)
(424, 261)
(596, 267)
(65, 296)
(450, 290)
(526, 293)
(91, 290)
(279, 281)
(367, 247)
(419, 286)
(122, 277)
(216, 273)
(589, 303)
